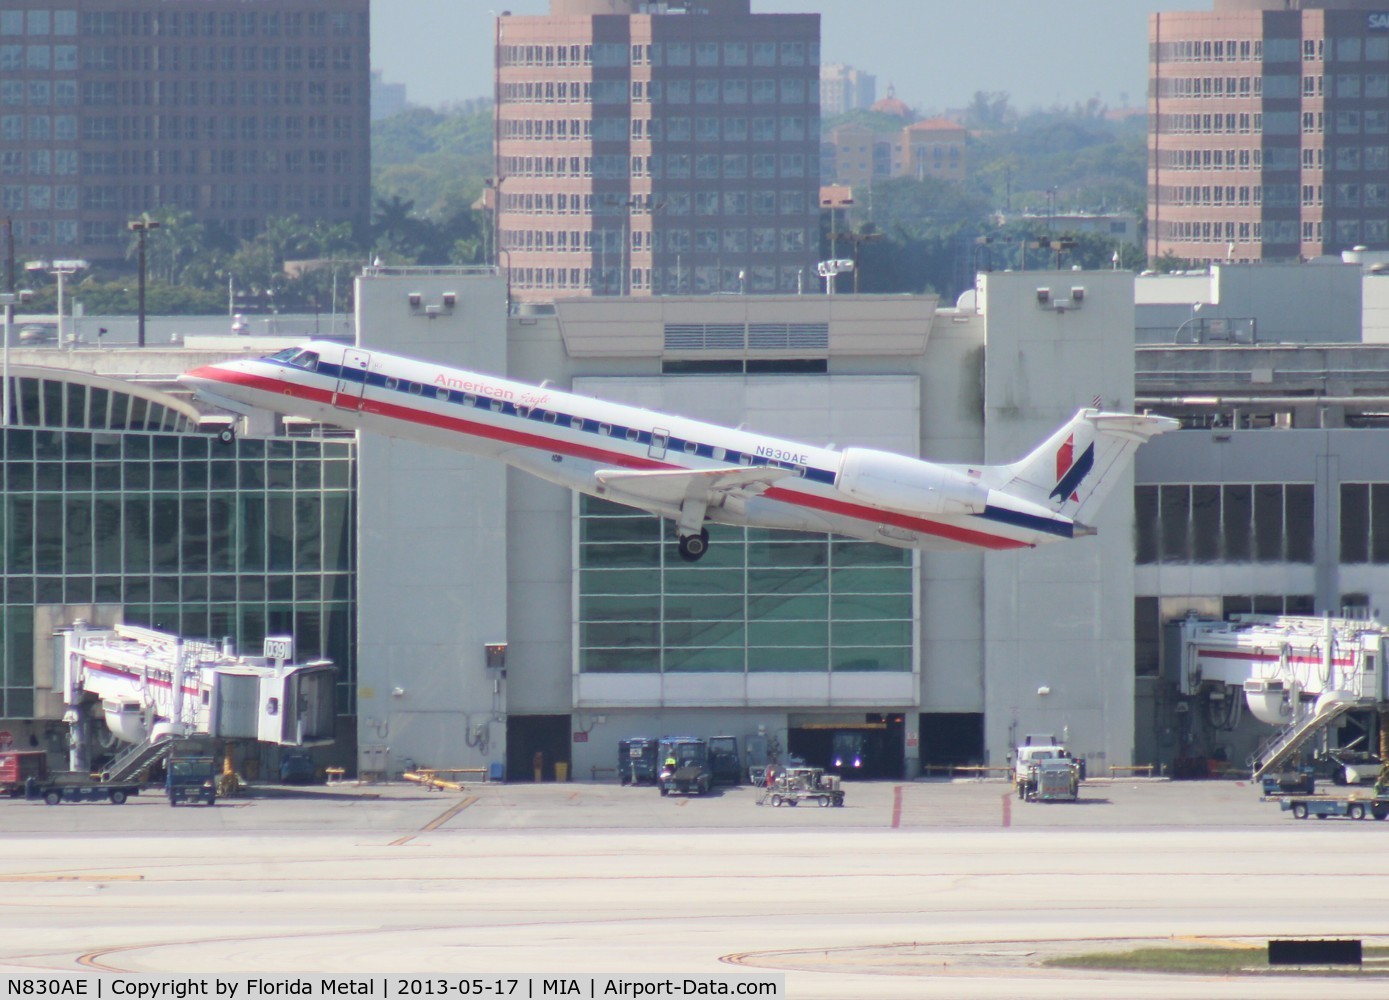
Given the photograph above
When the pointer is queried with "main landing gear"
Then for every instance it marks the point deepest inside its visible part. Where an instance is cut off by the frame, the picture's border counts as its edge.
(693, 547)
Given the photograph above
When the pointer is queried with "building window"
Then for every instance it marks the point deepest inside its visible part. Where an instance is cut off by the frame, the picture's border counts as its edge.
(764, 601)
(1264, 522)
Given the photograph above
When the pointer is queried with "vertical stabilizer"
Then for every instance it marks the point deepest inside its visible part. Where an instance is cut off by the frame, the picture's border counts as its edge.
(1073, 470)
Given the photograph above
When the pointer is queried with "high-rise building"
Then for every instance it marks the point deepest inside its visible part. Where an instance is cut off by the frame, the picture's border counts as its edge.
(844, 89)
(1269, 136)
(655, 148)
(234, 110)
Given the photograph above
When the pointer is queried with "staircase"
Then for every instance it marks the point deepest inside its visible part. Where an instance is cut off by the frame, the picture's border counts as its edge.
(137, 760)
(1281, 747)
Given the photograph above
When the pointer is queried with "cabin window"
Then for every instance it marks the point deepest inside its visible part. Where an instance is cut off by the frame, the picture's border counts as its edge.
(469, 399)
(719, 454)
(605, 429)
(633, 434)
(441, 394)
(691, 448)
(551, 416)
(416, 388)
(523, 412)
(495, 406)
(392, 383)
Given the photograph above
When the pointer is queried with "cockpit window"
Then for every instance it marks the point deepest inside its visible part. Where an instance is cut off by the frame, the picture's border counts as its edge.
(308, 360)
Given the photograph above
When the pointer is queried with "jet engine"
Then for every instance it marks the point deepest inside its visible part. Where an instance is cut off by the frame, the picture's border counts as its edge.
(900, 483)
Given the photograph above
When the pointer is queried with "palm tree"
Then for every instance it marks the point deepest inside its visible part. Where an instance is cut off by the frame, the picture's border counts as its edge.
(171, 248)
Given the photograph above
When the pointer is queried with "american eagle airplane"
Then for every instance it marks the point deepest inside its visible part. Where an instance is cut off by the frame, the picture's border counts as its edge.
(694, 472)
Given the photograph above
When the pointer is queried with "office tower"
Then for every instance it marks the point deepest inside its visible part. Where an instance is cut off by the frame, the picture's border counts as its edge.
(1269, 130)
(234, 110)
(844, 89)
(657, 149)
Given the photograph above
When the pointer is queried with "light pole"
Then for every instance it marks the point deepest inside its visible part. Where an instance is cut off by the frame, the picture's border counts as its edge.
(139, 227)
(835, 198)
(8, 300)
(60, 269)
(1177, 336)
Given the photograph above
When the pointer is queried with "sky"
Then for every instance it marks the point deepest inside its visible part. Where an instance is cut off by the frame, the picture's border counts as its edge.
(936, 53)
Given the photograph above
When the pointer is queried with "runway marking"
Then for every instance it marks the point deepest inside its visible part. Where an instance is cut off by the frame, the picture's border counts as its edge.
(440, 820)
(1000, 959)
(401, 841)
(72, 878)
(896, 807)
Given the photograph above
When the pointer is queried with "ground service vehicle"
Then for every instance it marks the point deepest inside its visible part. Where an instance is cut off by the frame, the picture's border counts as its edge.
(724, 761)
(1056, 780)
(684, 766)
(18, 766)
(791, 786)
(69, 786)
(1350, 767)
(1351, 808)
(1044, 770)
(190, 779)
(636, 761)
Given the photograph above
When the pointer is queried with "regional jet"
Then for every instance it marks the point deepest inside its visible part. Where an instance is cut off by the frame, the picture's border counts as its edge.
(692, 472)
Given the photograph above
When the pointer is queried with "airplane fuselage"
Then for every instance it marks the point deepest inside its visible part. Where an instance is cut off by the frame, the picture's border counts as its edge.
(580, 442)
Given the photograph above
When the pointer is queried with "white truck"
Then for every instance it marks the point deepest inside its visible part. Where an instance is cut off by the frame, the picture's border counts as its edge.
(1045, 771)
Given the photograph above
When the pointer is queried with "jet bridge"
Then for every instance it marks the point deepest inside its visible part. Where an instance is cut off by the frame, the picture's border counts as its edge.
(144, 689)
(1300, 674)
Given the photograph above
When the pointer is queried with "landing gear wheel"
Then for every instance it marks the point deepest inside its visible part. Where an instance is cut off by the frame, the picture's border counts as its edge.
(226, 435)
(693, 547)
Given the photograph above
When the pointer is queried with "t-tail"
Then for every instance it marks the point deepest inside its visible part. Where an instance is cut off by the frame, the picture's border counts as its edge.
(1073, 471)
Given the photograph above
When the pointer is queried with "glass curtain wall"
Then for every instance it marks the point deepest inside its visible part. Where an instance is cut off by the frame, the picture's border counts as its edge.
(186, 534)
(759, 600)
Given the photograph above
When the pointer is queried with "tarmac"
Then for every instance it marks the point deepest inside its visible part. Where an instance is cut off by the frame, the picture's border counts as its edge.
(933, 889)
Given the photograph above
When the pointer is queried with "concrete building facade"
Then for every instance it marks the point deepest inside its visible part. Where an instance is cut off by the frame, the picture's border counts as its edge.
(1269, 135)
(233, 110)
(788, 641)
(653, 148)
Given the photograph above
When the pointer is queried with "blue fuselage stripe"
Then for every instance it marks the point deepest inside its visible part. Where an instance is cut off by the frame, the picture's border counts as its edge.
(618, 432)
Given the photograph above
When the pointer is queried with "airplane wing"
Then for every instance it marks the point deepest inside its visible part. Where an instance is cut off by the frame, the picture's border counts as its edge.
(675, 486)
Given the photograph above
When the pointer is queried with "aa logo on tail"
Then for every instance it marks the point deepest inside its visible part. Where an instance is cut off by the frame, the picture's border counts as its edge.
(1070, 472)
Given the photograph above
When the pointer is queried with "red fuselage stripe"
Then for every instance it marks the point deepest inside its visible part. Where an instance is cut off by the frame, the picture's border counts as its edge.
(541, 443)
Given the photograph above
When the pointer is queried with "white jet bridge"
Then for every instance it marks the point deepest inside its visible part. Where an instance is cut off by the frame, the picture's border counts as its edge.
(148, 689)
(1297, 673)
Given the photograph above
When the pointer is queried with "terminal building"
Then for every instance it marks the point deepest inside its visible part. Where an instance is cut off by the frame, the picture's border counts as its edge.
(482, 617)
(119, 508)
(785, 640)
